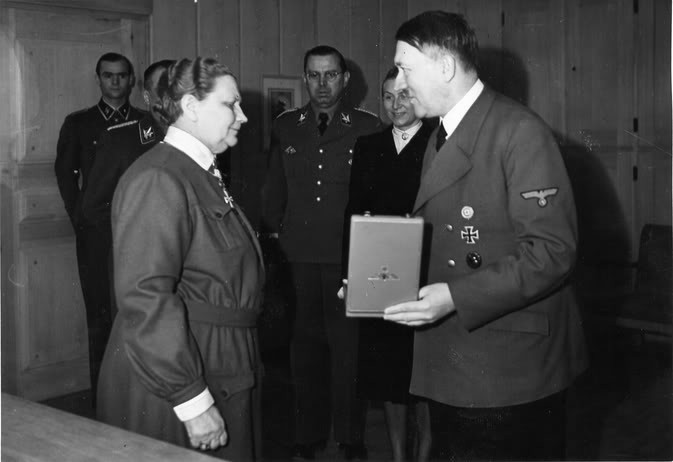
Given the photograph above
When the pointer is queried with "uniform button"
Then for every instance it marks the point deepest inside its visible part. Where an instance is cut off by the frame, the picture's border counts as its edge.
(449, 228)
(317, 199)
(318, 182)
(320, 166)
(451, 263)
(473, 260)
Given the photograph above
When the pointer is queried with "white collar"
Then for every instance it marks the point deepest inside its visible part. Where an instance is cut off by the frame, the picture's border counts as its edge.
(402, 137)
(187, 143)
(409, 132)
(457, 112)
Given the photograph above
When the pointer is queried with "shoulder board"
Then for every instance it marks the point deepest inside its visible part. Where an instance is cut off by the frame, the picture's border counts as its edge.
(366, 111)
(287, 111)
(121, 125)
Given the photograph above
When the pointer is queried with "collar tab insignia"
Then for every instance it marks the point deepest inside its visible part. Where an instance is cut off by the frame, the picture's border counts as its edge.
(302, 118)
(346, 119)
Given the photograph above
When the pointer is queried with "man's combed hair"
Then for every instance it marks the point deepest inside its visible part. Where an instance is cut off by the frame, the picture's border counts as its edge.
(326, 50)
(114, 58)
(187, 77)
(444, 31)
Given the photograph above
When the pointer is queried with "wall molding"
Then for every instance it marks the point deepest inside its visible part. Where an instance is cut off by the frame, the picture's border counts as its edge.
(122, 7)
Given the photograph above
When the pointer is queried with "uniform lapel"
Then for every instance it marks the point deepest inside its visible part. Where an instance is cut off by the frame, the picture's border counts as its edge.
(452, 162)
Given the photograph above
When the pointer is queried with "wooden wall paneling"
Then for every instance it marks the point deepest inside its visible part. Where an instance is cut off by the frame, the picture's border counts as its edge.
(219, 32)
(653, 191)
(533, 57)
(333, 23)
(365, 27)
(56, 334)
(297, 35)
(260, 21)
(48, 71)
(126, 7)
(662, 73)
(599, 114)
(485, 17)
(653, 109)
(135, 40)
(653, 74)
(418, 6)
(173, 27)
(393, 14)
(57, 59)
(9, 135)
(600, 84)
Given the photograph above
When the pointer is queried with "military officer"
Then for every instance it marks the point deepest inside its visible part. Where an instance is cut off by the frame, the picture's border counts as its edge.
(86, 188)
(119, 145)
(304, 198)
(501, 337)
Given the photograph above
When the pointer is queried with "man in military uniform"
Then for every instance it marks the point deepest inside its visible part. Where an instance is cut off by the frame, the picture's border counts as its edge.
(304, 198)
(119, 145)
(501, 336)
(86, 180)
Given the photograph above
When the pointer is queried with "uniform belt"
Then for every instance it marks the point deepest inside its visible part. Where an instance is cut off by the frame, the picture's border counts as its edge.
(221, 315)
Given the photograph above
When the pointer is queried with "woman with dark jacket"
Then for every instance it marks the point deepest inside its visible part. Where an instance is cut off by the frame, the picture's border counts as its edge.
(183, 364)
(385, 176)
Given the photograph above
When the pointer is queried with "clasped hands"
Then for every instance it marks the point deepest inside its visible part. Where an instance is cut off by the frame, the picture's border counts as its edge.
(434, 302)
(207, 430)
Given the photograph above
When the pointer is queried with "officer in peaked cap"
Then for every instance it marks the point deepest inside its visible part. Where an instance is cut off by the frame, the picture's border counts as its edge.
(304, 198)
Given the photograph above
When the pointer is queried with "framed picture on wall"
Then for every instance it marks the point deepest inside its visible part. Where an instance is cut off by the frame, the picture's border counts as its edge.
(280, 94)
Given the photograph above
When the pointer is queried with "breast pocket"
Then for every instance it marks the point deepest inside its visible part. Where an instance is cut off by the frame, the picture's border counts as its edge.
(339, 167)
(224, 228)
(295, 165)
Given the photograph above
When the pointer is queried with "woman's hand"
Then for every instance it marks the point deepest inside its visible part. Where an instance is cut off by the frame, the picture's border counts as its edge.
(207, 430)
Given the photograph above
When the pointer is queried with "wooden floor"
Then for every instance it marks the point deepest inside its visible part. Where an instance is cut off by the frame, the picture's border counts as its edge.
(621, 409)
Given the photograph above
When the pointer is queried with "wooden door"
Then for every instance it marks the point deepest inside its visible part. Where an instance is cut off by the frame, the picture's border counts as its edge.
(48, 53)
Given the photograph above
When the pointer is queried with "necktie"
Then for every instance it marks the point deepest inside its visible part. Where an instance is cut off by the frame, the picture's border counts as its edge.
(441, 137)
(322, 126)
(213, 170)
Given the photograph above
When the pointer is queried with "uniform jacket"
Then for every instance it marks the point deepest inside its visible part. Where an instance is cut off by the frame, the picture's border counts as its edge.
(188, 276)
(384, 182)
(306, 188)
(118, 146)
(76, 149)
(504, 235)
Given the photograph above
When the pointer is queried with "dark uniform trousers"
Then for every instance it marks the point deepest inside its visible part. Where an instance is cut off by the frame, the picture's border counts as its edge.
(532, 431)
(95, 147)
(305, 194)
(324, 357)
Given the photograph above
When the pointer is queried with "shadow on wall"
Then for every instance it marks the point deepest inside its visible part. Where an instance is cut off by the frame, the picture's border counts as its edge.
(357, 89)
(504, 71)
(603, 230)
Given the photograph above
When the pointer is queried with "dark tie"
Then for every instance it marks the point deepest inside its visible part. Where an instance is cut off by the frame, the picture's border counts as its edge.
(441, 137)
(213, 170)
(322, 126)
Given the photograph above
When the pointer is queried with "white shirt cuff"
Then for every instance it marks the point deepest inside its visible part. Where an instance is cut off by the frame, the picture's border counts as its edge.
(195, 406)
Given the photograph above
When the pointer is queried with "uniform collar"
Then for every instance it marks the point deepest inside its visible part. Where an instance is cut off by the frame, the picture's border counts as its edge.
(108, 111)
(191, 146)
(457, 112)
